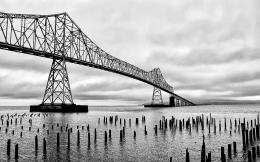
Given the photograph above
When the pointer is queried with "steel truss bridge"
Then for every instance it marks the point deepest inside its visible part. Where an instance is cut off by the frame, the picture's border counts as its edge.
(59, 38)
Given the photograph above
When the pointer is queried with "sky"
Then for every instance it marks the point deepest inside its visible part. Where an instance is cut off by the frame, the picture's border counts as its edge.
(207, 50)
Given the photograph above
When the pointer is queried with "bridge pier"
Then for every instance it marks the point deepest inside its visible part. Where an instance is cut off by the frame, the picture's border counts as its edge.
(172, 101)
(58, 96)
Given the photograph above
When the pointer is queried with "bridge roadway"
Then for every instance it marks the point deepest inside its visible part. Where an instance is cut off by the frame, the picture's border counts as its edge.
(58, 37)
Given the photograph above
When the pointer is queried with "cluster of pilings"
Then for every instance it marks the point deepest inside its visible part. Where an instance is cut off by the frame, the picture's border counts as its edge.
(250, 132)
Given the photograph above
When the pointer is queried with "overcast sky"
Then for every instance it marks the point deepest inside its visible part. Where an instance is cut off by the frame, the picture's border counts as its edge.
(208, 50)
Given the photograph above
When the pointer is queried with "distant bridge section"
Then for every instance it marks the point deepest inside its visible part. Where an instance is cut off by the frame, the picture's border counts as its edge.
(58, 37)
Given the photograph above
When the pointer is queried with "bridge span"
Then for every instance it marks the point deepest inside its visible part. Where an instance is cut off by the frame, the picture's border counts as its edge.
(59, 38)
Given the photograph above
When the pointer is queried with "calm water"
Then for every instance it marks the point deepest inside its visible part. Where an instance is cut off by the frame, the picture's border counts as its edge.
(150, 147)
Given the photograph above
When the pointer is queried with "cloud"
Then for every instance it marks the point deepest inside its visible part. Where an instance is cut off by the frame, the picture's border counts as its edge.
(208, 50)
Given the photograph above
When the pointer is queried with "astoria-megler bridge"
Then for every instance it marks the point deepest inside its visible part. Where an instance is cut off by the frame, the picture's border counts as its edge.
(59, 38)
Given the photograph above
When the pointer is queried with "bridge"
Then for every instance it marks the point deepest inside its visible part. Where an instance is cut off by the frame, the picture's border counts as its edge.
(59, 38)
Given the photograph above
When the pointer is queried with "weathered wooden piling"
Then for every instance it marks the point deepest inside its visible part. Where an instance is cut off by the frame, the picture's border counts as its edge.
(105, 136)
(36, 143)
(209, 157)
(155, 129)
(243, 135)
(16, 152)
(203, 151)
(44, 146)
(249, 156)
(225, 124)
(121, 135)
(250, 136)
(78, 137)
(134, 134)
(89, 139)
(254, 137)
(223, 156)
(68, 138)
(247, 142)
(8, 147)
(95, 134)
(229, 150)
(219, 125)
(58, 140)
(109, 133)
(230, 123)
(209, 128)
(187, 155)
(254, 153)
(234, 147)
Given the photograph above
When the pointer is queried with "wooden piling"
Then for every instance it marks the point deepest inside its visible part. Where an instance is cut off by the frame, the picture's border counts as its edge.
(250, 136)
(243, 135)
(203, 151)
(225, 124)
(109, 134)
(44, 146)
(89, 139)
(234, 147)
(68, 138)
(58, 140)
(16, 152)
(223, 154)
(105, 136)
(8, 147)
(249, 156)
(36, 142)
(220, 125)
(253, 153)
(121, 135)
(187, 155)
(247, 142)
(95, 135)
(78, 137)
(229, 150)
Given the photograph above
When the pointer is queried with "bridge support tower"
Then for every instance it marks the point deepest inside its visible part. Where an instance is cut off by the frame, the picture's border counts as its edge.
(172, 101)
(58, 96)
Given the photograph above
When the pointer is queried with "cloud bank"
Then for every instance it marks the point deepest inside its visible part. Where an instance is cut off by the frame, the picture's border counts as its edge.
(207, 50)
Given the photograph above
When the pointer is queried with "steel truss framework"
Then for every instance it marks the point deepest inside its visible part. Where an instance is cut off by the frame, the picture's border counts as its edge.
(58, 37)
(157, 96)
(58, 86)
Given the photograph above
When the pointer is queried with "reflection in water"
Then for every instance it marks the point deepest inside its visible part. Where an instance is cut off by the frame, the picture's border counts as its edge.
(160, 146)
